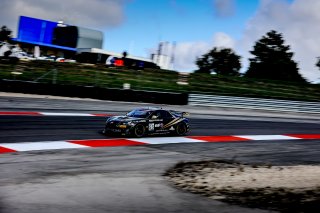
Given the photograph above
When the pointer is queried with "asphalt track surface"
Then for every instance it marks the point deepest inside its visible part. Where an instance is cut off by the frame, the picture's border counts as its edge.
(129, 179)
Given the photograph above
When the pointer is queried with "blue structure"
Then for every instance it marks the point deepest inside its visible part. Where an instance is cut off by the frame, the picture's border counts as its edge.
(38, 32)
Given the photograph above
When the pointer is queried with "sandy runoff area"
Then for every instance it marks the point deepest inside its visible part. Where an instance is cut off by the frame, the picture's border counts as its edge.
(281, 188)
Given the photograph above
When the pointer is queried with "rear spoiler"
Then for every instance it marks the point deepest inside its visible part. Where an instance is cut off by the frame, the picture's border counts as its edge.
(180, 114)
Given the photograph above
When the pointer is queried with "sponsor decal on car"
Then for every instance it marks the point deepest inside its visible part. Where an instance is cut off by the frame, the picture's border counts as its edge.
(151, 126)
(158, 125)
(173, 122)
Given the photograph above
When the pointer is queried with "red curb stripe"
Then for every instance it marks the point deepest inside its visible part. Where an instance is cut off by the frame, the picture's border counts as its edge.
(305, 136)
(106, 142)
(6, 150)
(219, 138)
(20, 113)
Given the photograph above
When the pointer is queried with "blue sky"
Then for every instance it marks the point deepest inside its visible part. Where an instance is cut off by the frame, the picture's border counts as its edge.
(137, 26)
(148, 22)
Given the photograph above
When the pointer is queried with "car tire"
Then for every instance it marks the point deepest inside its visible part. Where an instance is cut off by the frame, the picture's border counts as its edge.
(181, 129)
(139, 131)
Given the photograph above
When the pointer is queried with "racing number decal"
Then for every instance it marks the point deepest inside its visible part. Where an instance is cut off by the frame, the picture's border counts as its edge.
(151, 126)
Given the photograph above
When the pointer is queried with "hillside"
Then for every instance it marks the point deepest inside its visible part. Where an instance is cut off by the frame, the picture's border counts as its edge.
(154, 80)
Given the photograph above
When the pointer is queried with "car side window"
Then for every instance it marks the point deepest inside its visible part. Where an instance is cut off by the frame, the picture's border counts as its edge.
(160, 114)
(155, 115)
(164, 114)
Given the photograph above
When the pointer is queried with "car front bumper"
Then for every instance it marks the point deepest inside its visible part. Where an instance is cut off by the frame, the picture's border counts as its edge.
(116, 130)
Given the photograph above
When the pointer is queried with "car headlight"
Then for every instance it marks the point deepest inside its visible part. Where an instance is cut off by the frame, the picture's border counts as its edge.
(131, 123)
(122, 126)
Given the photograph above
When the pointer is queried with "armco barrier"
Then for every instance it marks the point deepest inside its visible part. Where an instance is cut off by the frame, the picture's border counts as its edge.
(254, 103)
(94, 92)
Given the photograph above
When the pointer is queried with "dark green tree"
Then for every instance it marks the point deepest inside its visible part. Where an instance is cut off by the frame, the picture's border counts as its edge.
(124, 54)
(273, 60)
(124, 58)
(221, 61)
(5, 34)
(318, 62)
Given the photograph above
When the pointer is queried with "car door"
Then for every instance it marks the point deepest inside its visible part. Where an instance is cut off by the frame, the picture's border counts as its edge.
(168, 120)
(155, 122)
(167, 117)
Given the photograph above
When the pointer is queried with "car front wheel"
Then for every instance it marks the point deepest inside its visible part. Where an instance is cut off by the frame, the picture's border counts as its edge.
(139, 130)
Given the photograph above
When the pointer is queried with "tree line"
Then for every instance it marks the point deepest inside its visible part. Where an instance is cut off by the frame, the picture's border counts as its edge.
(5, 34)
(271, 59)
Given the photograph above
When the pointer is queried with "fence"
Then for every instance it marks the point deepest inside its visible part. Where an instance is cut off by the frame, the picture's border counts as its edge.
(254, 103)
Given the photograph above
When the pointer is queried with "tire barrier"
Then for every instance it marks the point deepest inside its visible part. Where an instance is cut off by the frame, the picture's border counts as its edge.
(94, 92)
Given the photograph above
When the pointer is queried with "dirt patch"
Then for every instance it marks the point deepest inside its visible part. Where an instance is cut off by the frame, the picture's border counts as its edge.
(280, 188)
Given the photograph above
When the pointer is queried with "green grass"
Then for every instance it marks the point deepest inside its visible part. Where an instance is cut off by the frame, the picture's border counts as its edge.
(254, 87)
(156, 80)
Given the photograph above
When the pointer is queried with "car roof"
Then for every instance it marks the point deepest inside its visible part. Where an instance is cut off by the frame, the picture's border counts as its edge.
(149, 109)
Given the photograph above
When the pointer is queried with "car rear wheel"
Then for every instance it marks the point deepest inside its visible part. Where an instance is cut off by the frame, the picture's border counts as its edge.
(181, 129)
(139, 131)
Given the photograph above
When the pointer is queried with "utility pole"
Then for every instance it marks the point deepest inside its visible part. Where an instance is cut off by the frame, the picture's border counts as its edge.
(174, 44)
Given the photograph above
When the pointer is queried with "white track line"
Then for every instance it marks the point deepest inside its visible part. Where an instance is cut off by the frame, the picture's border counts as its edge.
(266, 137)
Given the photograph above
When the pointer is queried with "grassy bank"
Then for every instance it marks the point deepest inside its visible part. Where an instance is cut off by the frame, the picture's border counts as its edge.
(153, 79)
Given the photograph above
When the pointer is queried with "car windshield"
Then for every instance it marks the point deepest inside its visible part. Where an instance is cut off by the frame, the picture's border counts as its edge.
(139, 113)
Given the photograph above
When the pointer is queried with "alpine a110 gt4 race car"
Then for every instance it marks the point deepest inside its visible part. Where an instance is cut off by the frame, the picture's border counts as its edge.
(148, 121)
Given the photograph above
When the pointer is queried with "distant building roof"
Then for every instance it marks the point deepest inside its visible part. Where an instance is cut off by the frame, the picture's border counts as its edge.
(101, 51)
(89, 38)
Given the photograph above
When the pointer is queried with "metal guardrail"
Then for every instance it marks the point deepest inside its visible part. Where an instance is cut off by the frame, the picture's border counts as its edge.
(254, 103)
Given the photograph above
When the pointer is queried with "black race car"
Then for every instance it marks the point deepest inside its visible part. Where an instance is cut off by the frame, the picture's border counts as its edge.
(147, 121)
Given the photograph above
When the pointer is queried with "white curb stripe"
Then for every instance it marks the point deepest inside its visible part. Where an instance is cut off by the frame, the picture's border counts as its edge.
(41, 146)
(266, 137)
(166, 140)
